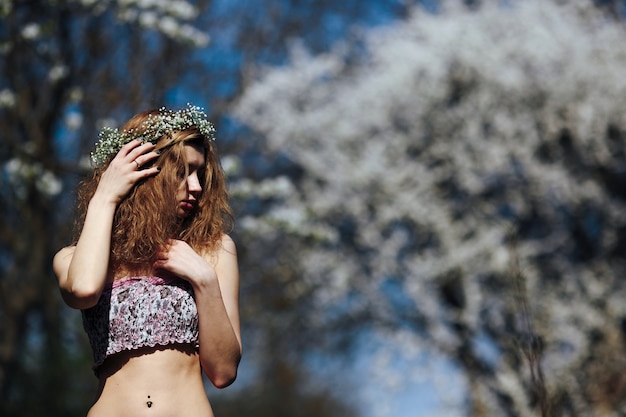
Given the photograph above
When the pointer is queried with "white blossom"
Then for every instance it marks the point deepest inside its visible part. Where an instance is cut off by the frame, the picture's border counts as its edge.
(172, 18)
(128, 15)
(182, 9)
(76, 95)
(168, 25)
(190, 34)
(31, 31)
(21, 174)
(57, 72)
(7, 98)
(48, 184)
(73, 120)
(148, 19)
(231, 164)
(436, 145)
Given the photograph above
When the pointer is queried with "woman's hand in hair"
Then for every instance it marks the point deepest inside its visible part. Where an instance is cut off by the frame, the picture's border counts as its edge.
(124, 171)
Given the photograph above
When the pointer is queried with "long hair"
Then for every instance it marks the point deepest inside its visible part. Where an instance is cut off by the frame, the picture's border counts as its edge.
(147, 217)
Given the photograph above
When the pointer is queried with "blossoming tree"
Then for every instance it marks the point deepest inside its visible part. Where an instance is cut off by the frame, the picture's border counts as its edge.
(460, 189)
(63, 66)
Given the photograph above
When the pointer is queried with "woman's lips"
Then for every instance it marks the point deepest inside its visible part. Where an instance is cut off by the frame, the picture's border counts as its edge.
(187, 205)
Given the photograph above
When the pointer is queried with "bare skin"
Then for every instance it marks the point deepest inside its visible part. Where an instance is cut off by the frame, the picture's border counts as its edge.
(152, 382)
(166, 381)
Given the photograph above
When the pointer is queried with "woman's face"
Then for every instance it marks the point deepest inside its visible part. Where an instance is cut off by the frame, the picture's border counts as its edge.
(190, 187)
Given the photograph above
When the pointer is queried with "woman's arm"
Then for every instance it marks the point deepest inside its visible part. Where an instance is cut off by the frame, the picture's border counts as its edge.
(216, 290)
(82, 270)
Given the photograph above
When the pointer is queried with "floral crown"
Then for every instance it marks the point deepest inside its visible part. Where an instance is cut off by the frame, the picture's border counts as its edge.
(166, 121)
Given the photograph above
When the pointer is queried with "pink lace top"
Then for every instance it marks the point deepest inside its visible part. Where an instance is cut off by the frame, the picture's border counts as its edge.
(137, 312)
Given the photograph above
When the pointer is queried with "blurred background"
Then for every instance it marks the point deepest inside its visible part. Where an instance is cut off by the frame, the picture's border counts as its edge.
(430, 195)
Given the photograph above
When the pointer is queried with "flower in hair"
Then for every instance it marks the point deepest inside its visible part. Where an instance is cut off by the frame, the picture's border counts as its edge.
(165, 122)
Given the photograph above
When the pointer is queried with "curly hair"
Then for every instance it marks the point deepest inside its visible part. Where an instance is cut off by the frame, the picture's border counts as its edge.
(147, 217)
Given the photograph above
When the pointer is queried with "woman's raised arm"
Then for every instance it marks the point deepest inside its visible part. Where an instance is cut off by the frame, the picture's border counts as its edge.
(82, 270)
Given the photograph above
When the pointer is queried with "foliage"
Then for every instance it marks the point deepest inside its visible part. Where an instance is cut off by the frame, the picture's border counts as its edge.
(69, 67)
(61, 65)
(463, 142)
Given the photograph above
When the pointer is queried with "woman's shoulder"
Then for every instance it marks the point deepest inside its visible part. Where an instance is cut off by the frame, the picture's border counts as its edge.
(64, 255)
(68, 250)
(227, 242)
(61, 263)
(224, 248)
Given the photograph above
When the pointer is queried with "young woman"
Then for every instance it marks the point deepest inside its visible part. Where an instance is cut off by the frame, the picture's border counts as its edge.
(152, 268)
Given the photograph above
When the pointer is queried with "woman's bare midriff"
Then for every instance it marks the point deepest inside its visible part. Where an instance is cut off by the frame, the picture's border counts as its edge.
(152, 382)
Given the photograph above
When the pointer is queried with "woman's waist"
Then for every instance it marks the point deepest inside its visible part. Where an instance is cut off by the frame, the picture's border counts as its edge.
(152, 399)
(165, 381)
(158, 367)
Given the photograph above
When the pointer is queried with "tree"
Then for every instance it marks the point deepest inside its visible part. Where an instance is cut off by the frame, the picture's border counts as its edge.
(463, 183)
(68, 67)
(65, 65)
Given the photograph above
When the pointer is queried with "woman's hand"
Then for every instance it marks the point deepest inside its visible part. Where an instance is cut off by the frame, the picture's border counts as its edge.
(82, 270)
(124, 170)
(181, 260)
(216, 291)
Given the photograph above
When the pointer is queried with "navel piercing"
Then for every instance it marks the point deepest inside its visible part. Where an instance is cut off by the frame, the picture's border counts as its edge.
(149, 403)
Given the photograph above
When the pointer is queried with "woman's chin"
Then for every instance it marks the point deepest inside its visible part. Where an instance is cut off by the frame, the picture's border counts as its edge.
(182, 213)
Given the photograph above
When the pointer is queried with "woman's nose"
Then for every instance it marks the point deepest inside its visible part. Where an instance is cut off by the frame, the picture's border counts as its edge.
(193, 183)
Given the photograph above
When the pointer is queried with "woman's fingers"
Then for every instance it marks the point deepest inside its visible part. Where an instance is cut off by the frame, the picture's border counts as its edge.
(145, 158)
(125, 171)
(127, 149)
(180, 259)
(137, 148)
(135, 154)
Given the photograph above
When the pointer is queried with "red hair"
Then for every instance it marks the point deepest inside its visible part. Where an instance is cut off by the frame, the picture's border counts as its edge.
(147, 218)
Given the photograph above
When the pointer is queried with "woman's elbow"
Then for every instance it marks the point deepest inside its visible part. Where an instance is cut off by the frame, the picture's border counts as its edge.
(80, 299)
(224, 375)
(224, 380)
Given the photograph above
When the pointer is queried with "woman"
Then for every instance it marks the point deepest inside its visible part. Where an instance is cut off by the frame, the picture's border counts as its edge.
(152, 268)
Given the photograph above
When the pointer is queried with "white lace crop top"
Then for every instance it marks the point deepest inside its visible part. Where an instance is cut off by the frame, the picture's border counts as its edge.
(138, 312)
